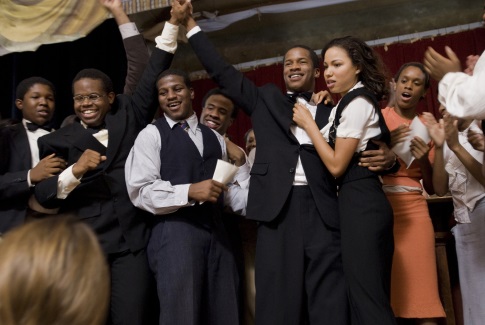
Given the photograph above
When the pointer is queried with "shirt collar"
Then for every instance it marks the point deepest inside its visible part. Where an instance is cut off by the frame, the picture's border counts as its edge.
(191, 120)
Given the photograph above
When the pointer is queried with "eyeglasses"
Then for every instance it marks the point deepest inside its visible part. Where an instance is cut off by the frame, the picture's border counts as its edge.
(91, 97)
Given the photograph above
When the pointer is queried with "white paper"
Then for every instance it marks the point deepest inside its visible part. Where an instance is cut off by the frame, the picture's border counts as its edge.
(224, 172)
(418, 129)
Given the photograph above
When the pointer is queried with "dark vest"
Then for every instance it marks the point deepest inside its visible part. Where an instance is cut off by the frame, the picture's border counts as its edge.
(181, 162)
(354, 171)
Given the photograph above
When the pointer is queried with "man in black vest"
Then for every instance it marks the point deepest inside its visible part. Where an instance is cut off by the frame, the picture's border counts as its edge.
(168, 173)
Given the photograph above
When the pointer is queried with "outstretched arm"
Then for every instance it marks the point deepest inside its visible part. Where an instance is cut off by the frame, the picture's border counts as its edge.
(137, 54)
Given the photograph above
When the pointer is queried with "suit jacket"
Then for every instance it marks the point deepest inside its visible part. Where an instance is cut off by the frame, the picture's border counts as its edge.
(14, 189)
(102, 199)
(273, 171)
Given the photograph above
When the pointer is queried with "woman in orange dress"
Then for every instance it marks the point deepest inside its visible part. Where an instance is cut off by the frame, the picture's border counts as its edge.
(414, 284)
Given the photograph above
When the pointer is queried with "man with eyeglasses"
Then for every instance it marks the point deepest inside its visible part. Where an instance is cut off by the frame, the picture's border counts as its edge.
(93, 185)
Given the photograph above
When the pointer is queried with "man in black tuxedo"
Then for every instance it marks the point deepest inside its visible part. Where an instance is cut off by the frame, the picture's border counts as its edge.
(299, 276)
(93, 187)
(21, 168)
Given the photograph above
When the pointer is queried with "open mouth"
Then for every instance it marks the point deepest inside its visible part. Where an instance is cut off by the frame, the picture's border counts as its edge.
(295, 77)
(89, 113)
(174, 105)
(211, 124)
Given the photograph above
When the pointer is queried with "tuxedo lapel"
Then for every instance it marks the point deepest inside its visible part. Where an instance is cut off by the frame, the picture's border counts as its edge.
(82, 139)
(21, 147)
(322, 115)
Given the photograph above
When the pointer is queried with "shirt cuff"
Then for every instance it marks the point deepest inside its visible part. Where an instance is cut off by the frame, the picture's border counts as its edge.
(128, 30)
(168, 40)
(29, 182)
(193, 31)
(66, 183)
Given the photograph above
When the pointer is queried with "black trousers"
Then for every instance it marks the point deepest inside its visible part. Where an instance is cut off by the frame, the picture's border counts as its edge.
(197, 277)
(133, 295)
(299, 275)
(367, 249)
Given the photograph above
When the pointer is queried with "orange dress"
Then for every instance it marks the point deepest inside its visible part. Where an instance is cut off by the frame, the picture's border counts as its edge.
(414, 282)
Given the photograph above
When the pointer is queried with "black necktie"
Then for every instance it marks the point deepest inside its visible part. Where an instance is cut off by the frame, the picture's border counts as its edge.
(34, 127)
(305, 95)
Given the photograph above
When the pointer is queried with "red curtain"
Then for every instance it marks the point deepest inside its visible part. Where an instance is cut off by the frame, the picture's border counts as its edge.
(394, 55)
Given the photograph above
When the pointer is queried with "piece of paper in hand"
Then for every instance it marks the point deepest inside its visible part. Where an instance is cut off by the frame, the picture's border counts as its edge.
(224, 172)
(418, 129)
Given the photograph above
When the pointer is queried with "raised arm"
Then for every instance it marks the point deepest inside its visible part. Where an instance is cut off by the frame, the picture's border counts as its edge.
(437, 133)
(137, 54)
(243, 91)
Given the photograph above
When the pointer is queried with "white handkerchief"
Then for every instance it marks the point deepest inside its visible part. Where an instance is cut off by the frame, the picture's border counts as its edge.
(402, 149)
(224, 172)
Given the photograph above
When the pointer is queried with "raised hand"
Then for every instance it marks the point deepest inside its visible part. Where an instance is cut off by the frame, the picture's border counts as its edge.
(89, 160)
(438, 65)
(477, 140)
(111, 4)
(47, 167)
(451, 131)
(436, 129)
(471, 61)
(234, 153)
(181, 12)
(322, 95)
(206, 191)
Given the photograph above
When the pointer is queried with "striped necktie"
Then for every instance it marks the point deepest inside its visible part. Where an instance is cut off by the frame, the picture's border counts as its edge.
(184, 125)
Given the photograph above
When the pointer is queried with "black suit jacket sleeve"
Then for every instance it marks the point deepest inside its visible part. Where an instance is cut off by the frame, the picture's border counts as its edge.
(241, 90)
(137, 59)
(13, 168)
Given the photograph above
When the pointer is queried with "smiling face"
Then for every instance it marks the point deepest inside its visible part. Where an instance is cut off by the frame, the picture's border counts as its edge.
(38, 104)
(339, 71)
(217, 113)
(174, 97)
(410, 88)
(92, 112)
(298, 70)
(250, 141)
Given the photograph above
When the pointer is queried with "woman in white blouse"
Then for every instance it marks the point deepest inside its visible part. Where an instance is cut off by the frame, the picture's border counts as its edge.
(354, 71)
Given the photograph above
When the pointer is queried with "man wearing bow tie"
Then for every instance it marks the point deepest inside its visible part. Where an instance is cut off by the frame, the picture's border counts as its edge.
(23, 169)
(299, 276)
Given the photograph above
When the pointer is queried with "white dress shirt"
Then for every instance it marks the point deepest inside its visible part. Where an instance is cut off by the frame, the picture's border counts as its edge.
(465, 189)
(464, 95)
(359, 120)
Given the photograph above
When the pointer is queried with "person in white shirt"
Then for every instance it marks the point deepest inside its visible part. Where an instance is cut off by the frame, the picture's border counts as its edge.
(457, 168)
(462, 94)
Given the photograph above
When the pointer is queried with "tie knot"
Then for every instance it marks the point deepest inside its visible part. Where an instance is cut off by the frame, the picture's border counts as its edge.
(184, 125)
(34, 127)
(306, 95)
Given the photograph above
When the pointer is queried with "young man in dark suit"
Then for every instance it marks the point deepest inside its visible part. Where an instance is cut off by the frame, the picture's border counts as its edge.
(299, 276)
(93, 186)
(21, 168)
